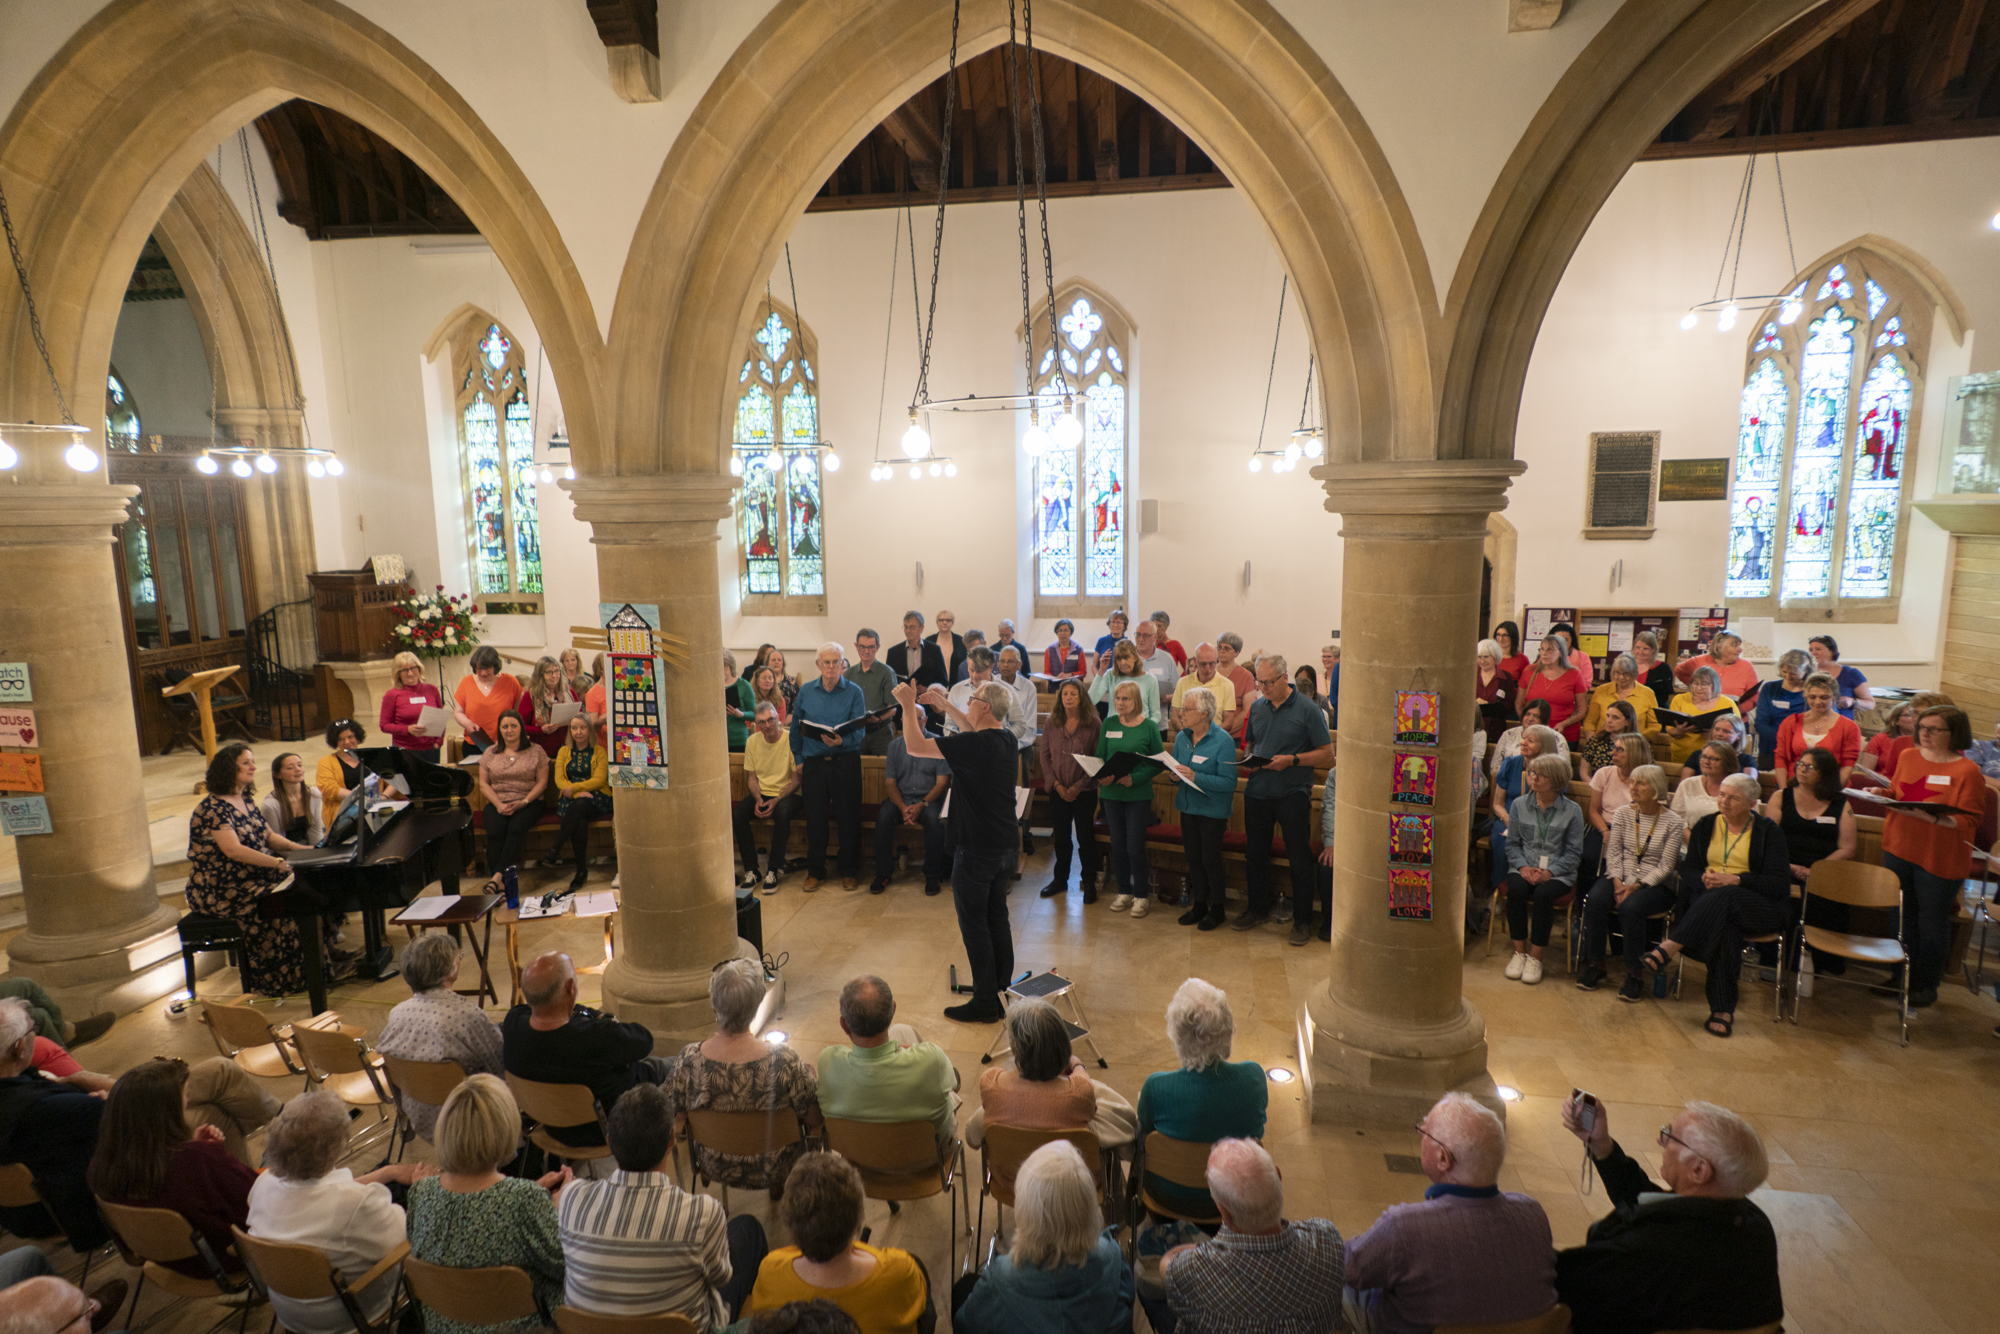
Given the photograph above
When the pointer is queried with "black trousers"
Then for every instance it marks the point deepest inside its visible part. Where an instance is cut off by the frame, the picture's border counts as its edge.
(1710, 924)
(575, 831)
(979, 879)
(1201, 838)
(1291, 815)
(1523, 897)
(745, 811)
(507, 835)
(747, 1248)
(937, 863)
(1602, 906)
(1075, 822)
(832, 783)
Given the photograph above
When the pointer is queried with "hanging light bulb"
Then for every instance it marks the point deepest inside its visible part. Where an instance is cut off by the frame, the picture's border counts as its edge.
(81, 457)
(774, 461)
(314, 468)
(1790, 311)
(735, 464)
(207, 466)
(548, 475)
(334, 467)
(1068, 430)
(1315, 445)
(915, 472)
(1036, 440)
(266, 464)
(831, 461)
(1256, 464)
(569, 474)
(916, 440)
(1689, 320)
(1292, 453)
(937, 469)
(241, 467)
(8, 458)
(951, 470)
(802, 465)
(1727, 319)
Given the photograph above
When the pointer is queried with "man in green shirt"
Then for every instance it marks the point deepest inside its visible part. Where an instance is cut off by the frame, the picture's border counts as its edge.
(877, 680)
(889, 1074)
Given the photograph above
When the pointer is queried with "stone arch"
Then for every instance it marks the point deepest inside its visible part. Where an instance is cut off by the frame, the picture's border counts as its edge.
(98, 145)
(810, 79)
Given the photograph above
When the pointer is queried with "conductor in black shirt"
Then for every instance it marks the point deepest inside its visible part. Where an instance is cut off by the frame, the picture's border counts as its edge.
(983, 767)
(553, 1040)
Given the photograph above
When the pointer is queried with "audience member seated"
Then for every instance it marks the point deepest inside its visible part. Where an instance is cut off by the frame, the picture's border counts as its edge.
(1072, 731)
(1735, 674)
(1850, 686)
(1497, 691)
(1642, 860)
(1704, 696)
(1733, 732)
(1534, 713)
(1229, 646)
(1700, 795)
(889, 1073)
(1818, 823)
(737, 1071)
(830, 765)
(1544, 859)
(1065, 659)
(1700, 1257)
(469, 1216)
(1127, 800)
(1064, 1271)
(1289, 737)
(340, 772)
(1623, 687)
(772, 777)
(305, 1198)
(37, 1302)
(1205, 762)
(1159, 663)
(1510, 779)
(1205, 671)
(1465, 1255)
(1654, 673)
(1259, 1274)
(581, 774)
(48, 1016)
(788, 686)
(1610, 792)
(437, 1024)
(1736, 881)
(1780, 699)
(403, 705)
(148, 1156)
(1209, 1098)
(1819, 726)
(292, 808)
(1048, 1087)
(915, 800)
(483, 694)
(818, 1316)
(513, 775)
(1126, 669)
(553, 1040)
(884, 1289)
(547, 688)
(1566, 689)
(764, 690)
(637, 1244)
(50, 1127)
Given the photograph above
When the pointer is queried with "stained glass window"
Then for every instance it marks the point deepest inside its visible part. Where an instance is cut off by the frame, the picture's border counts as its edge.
(1080, 492)
(121, 416)
(1823, 431)
(496, 436)
(781, 523)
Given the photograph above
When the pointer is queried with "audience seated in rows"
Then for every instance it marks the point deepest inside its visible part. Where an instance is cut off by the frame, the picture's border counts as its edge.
(1817, 725)
(1610, 792)
(1566, 688)
(1064, 1272)
(1623, 688)
(1048, 1086)
(1699, 794)
(1780, 699)
(553, 1040)
(48, 1016)
(889, 1073)
(734, 1070)
(1704, 696)
(886, 1290)
(1818, 823)
(1731, 731)
(1209, 1098)
(437, 1024)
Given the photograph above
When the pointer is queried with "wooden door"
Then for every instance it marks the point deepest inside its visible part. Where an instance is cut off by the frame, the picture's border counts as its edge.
(1971, 672)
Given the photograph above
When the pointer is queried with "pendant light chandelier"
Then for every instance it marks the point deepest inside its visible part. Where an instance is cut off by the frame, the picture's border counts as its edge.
(79, 455)
(1727, 308)
(746, 454)
(1308, 440)
(940, 465)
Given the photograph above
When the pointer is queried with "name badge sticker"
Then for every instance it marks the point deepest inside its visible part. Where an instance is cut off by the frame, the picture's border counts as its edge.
(1938, 780)
(1115, 736)
(1826, 819)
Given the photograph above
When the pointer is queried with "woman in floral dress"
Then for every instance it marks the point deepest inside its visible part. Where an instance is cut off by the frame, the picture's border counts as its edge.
(233, 861)
(736, 1071)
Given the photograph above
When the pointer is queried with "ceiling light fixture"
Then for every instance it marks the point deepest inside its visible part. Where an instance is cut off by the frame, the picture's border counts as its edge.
(1728, 308)
(78, 455)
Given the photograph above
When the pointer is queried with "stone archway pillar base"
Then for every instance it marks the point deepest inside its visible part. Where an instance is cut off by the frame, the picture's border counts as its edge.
(1392, 1031)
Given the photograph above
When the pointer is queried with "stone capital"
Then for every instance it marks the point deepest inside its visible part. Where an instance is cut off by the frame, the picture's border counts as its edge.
(32, 515)
(654, 509)
(1417, 499)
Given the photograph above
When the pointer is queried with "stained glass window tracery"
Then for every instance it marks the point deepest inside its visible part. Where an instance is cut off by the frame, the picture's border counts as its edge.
(497, 443)
(121, 416)
(781, 521)
(1080, 492)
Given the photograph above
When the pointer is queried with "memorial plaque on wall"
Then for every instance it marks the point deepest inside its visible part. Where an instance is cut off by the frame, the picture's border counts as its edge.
(1694, 479)
(1619, 503)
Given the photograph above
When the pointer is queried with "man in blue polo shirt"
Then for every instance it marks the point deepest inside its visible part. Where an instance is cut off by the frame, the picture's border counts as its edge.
(830, 765)
(1289, 732)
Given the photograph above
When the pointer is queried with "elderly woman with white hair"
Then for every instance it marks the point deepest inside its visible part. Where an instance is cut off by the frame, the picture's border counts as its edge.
(1210, 1097)
(305, 1198)
(1781, 699)
(436, 1023)
(737, 1071)
(1064, 1273)
(1544, 858)
(1205, 762)
(1736, 881)
(1642, 858)
(1497, 689)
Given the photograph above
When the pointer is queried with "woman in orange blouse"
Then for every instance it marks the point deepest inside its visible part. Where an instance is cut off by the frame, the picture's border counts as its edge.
(1932, 855)
(482, 697)
(1820, 726)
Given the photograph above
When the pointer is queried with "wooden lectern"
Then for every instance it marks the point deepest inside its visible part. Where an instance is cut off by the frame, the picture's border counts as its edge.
(201, 685)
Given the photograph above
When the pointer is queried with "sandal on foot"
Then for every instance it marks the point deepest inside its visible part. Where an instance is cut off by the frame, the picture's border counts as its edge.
(1658, 959)
(1720, 1026)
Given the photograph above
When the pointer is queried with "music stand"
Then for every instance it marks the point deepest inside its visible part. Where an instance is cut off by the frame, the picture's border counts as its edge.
(1054, 988)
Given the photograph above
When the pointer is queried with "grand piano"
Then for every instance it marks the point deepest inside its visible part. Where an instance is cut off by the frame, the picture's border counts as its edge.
(377, 870)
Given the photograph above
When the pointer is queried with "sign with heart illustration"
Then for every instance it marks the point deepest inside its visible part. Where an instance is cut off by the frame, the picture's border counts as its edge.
(17, 728)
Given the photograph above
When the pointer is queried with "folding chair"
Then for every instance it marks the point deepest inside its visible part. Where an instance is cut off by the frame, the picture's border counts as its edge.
(569, 1320)
(560, 1105)
(901, 1160)
(1553, 1321)
(426, 1081)
(341, 1064)
(493, 1295)
(17, 1191)
(304, 1274)
(741, 1135)
(242, 1034)
(1859, 885)
(153, 1239)
(1182, 1162)
(1778, 938)
(1000, 1158)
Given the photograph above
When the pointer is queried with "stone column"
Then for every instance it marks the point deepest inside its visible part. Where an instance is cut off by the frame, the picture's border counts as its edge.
(97, 936)
(1391, 1031)
(656, 540)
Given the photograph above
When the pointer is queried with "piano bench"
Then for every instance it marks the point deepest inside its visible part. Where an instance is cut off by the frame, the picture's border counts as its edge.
(202, 933)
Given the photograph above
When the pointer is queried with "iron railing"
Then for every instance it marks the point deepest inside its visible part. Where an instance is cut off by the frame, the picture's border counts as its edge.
(277, 691)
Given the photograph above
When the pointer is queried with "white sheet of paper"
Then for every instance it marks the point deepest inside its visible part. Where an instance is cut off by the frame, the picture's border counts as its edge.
(598, 903)
(533, 906)
(1621, 637)
(1090, 764)
(424, 909)
(1169, 761)
(560, 715)
(1023, 798)
(434, 721)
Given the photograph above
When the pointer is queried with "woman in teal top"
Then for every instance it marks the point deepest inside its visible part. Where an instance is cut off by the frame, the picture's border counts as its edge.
(1204, 755)
(1128, 800)
(739, 700)
(1210, 1097)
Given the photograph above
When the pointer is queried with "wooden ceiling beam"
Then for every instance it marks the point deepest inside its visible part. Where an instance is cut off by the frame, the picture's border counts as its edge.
(914, 129)
(1713, 114)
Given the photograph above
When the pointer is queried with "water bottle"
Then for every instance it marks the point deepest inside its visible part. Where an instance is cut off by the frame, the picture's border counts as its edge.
(510, 885)
(1805, 974)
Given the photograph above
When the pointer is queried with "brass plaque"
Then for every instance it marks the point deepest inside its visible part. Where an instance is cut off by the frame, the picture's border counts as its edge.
(1694, 479)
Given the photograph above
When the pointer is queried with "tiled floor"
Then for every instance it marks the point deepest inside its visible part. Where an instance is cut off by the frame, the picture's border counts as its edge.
(1885, 1176)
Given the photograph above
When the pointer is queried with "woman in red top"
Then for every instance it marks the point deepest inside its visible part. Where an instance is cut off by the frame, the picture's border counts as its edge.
(482, 697)
(1512, 661)
(1565, 688)
(1819, 725)
(1932, 855)
(403, 703)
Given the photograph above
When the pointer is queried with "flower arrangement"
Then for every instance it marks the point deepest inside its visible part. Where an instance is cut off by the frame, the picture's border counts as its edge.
(433, 625)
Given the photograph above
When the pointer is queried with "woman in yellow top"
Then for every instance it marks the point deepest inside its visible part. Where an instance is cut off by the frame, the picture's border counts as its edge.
(1623, 685)
(581, 775)
(881, 1287)
(1703, 695)
(339, 773)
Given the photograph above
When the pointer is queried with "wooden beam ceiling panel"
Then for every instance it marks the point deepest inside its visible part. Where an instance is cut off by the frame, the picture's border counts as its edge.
(1713, 112)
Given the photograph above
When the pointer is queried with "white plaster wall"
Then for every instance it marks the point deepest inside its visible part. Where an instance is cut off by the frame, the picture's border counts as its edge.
(157, 351)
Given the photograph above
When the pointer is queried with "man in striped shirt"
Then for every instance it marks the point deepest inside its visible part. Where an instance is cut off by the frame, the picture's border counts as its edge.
(637, 1244)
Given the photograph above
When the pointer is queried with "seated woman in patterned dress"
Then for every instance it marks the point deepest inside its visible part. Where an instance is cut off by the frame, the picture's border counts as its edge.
(232, 860)
(737, 1071)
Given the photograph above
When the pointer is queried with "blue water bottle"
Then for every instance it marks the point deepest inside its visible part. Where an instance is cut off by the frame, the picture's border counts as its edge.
(510, 884)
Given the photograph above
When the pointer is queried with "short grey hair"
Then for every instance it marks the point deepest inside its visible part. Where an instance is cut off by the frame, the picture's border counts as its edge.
(1200, 1025)
(1795, 662)
(867, 1006)
(547, 993)
(17, 1021)
(1731, 1145)
(1625, 663)
(1476, 1137)
(1013, 650)
(1056, 1216)
(764, 706)
(1278, 664)
(979, 659)
(1231, 638)
(1547, 738)
(735, 990)
(996, 697)
(839, 650)
(1202, 698)
(1708, 676)
(1489, 648)
(1743, 785)
(428, 961)
(1244, 1180)
(1654, 777)
(1040, 1040)
(1006, 624)
(309, 1137)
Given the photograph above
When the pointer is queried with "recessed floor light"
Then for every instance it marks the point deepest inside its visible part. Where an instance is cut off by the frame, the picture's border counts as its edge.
(1508, 1093)
(1279, 1075)
(776, 1037)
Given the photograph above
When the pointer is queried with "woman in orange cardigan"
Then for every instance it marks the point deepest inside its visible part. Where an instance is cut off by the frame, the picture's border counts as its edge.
(1932, 854)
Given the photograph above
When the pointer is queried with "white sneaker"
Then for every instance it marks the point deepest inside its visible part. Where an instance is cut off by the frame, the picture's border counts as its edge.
(1121, 903)
(1140, 907)
(1515, 962)
(770, 882)
(1531, 973)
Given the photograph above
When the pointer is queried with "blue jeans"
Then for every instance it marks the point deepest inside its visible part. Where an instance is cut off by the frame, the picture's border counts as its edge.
(1929, 903)
(979, 878)
(888, 820)
(1128, 822)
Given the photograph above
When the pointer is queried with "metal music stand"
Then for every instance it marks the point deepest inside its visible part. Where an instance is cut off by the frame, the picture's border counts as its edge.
(1056, 989)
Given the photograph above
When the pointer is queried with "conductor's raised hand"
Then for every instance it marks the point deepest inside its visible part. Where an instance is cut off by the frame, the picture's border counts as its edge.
(904, 693)
(936, 697)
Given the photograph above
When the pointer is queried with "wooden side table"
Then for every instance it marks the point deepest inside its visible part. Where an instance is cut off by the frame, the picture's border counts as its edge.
(471, 910)
(511, 919)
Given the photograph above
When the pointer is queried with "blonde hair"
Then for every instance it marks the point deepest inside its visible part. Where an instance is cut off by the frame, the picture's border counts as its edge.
(1636, 747)
(1138, 699)
(478, 1128)
(1554, 769)
(1654, 777)
(402, 662)
(1056, 1215)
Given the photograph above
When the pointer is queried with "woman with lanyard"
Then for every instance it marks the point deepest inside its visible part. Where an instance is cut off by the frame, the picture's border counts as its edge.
(1819, 727)
(1642, 852)
(1932, 854)
(1611, 792)
(1779, 700)
(1204, 756)
(1819, 827)
(1544, 852)
(1736, 881)
(1510, 781)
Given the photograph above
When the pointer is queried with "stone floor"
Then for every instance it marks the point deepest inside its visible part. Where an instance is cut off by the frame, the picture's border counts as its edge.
(1879, 1223)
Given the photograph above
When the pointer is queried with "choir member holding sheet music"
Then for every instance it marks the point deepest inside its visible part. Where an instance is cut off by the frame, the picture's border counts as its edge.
(404, 707)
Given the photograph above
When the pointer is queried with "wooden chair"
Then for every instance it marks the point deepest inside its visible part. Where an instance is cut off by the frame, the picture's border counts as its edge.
(1000, 1158)
(1184, 1163)
(1554, 1321)
(1778, 938)
(242, 1034)
(341, 1064)
(560, 1105)
(153, 1239)
(741, 1135)
(569, 1320)
(304, 1274)
(426, 1081)
(901, 1160)
(18, 1191)
(494, 1295)
(1859, 886)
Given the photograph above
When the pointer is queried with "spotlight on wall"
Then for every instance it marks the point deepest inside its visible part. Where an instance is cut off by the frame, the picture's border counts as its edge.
(1277, 1074)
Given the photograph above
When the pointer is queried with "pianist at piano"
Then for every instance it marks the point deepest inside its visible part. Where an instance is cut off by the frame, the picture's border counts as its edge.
(233, 858)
